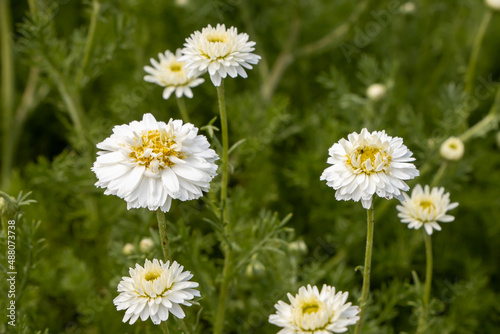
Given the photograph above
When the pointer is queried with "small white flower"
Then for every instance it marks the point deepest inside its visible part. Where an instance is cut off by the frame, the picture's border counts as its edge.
(149, 163)
(426, 208)
(219, 51)
(452, 149)
(128, 249)
(146, 245)
(314, 312)
(170, 73)
(376, 92)
(493, 4)
(154, 291)
(367, 164)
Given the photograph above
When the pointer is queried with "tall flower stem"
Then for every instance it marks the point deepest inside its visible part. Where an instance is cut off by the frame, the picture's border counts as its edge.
(428, 283)
(182, 108)
(164, 327)
(476, 48)
(367, 268)
(162, 227)
(221, 310)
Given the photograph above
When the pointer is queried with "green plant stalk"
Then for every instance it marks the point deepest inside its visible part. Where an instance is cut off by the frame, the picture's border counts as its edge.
(162, 227)
(164, 327)
(367, 268)
(226, 272)
(88, 42)
(182, 108)
(428, 283)
(478, 40)
(7, 91)
(439, 174)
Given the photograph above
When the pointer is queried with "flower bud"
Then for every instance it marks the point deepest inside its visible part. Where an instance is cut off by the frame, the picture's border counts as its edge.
(407, 8)
(146, 245)
(493, 4)
(128, 249)
(255, 268)
(452, 149)
(376, 92)
(298, 247)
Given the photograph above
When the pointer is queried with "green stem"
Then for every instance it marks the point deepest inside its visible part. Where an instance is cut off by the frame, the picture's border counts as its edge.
(428, 282)
(164, 327)
(88, 42)
(475, 50)
(439, 174)
(182, 108)
(162, 227)
(367, 268)
(226, 272)
(7, 90)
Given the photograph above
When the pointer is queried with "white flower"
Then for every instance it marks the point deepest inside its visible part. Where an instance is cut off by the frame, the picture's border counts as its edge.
(368, 164)
(452, 149)
(493, 4)
(314, 312)
(155, 291)
(376, 92)
(426, 208)
(128, 249)
(170, 73)
(219, 51)
(148, 163)
(146, 245)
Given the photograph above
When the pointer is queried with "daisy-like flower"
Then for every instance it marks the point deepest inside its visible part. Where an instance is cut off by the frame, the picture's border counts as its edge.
(314, 312)
(367, 164)
(219, 51)
(154, 291)
(426, 208)
(149, 163)
(170, 73)
(452, 149)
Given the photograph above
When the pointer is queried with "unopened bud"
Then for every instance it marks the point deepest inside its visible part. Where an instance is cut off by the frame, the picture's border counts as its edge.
(128, 249)
(493, 4)
(298, 247)
(376, 92)
(452, 149)
(146, 245)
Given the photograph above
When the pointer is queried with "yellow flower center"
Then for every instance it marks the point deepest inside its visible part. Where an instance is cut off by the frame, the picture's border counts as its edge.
(176, 67)
(363, 159)
(156, 146)
(427, 205)
(221, 38)
(311, 307)
(152, 275)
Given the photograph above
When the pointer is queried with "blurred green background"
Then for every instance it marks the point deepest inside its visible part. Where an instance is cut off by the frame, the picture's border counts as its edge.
(63, 93)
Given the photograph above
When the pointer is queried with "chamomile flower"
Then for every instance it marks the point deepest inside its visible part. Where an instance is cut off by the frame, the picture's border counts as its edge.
(311, 311)
(426, 208)
(367, 164)
(169, 72)
(219, 51)
(149, 163)
(452, 149)
(154, 291)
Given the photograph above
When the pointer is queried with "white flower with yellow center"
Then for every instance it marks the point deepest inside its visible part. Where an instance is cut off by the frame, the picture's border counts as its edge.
(452, 149)
(154, 291)
(149, 163)
(314, 312)
(367, 164)
(426, 208)
(170, 73)
(219, 51)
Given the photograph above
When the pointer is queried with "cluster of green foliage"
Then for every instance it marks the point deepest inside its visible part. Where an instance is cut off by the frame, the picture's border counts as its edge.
(77, 70)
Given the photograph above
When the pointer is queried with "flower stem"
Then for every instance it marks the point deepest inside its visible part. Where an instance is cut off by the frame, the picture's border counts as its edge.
(182, 108)
(162, 227)
(428, 282)
(367, 268)
(164, 327)
(88, 42)
(221, 310)
(476, 48)
(439, 174)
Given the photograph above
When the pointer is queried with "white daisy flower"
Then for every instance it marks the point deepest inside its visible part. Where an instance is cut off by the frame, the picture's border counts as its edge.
(155, 291)
(426, 208)
(219, 51)
(452, 149)
(148, 163)
(170, 73)
(368, 164)
(314, 312)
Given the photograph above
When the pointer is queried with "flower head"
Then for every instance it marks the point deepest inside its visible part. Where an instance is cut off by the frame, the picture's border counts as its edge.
(493, 4)
(128, 249)
(149, 163)
(146, 245)
(376, 92)
(311, 311)
(170, 73)
(154, 291)
(452, 149)
(219, 51)
(367, 164)
(426, 208)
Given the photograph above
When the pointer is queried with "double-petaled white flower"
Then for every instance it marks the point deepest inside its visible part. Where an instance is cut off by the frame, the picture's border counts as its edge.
(154, 291)
(367, 164)
(219, 51)
(426, 208)
(149, 163)
(169, 72)
(311, 311)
